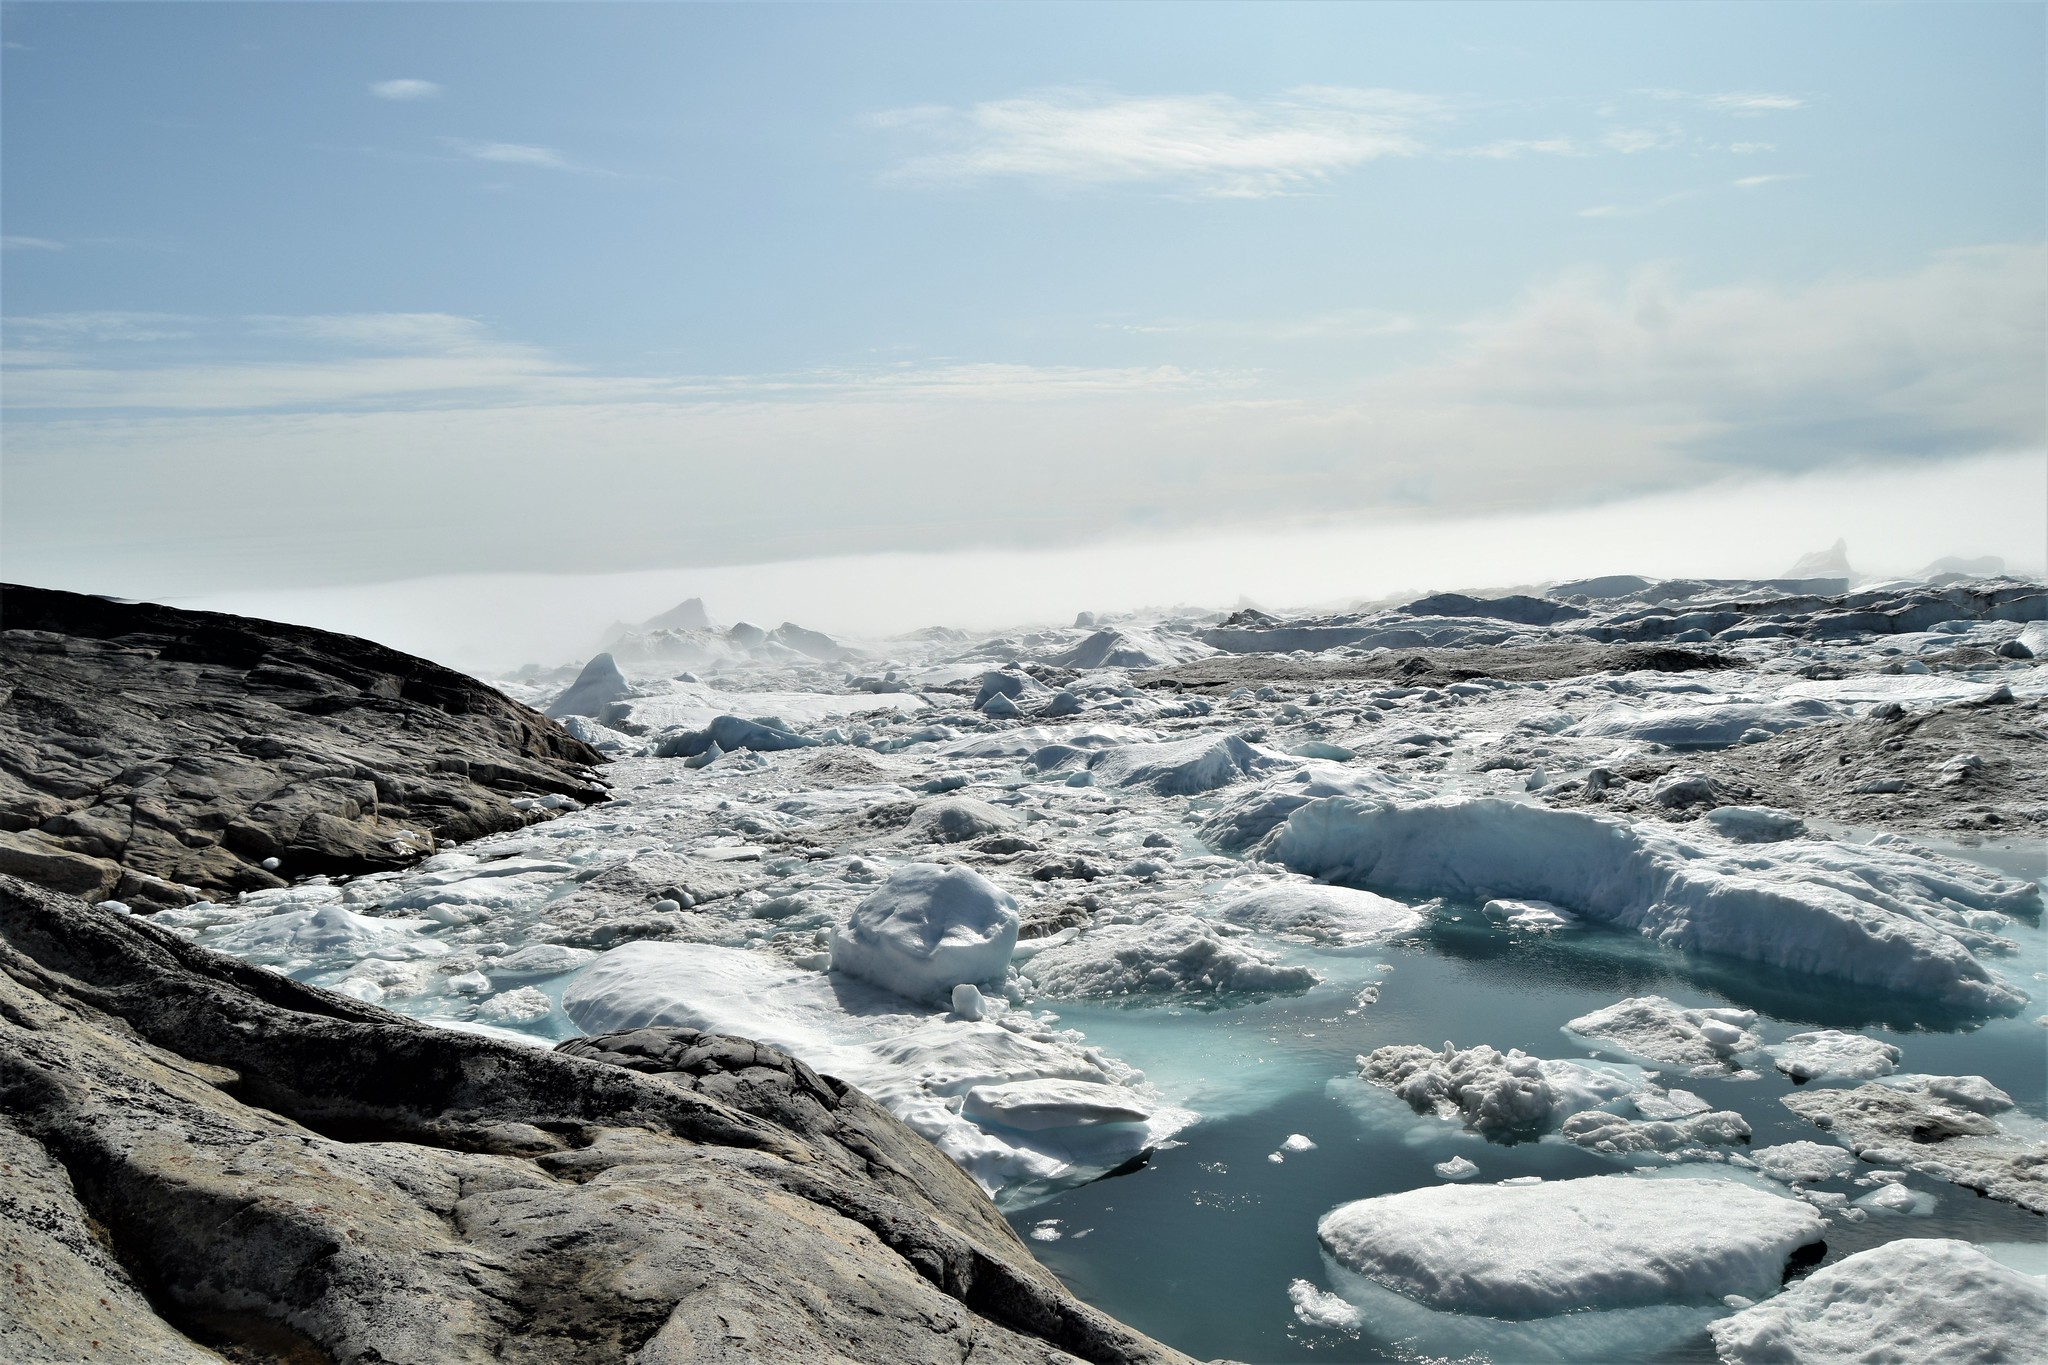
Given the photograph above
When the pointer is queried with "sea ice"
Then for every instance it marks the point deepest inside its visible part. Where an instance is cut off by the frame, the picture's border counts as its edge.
(1528, 914)
(327, 935)
(1319, 1308)
(1166, 954)
(927, 930)
(1457, 1168)
(1598, 1242)
(1916, 1299)
(1829, 1053)
(1868, 917)
(1500, 1096)
(1652, 1029)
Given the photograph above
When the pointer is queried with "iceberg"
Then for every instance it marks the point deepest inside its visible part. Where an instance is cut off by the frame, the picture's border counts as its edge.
(1864, 917)
(928, 929)
(1166, 954)
(1598, 1242)
(1914, 1299)
(1649, 1028)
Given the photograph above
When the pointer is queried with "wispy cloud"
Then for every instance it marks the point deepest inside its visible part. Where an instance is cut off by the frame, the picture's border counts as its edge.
(1214, 145)
(103, 326)
(1502, 149)
(1629, 141)
(11, 243)
(511, 154)
(405, 91)
(1732, 101)
(1750, 182)
(1347, 324)
(1751, 148)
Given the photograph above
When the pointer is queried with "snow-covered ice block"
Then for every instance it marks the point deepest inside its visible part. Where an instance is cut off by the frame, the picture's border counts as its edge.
(1599, 1242)
(1803, 1163)
(1499, 1095)
(928, 929)
(1619, 1136)
(1827, 1053)
(1917, 1299)
(1529, 914)
(1035, 1105)
(957, 819)
(1877, 918)
(1166, 954)
(1183, 767)
(1939, 1126)
(1652, 1029)
(1334, 915)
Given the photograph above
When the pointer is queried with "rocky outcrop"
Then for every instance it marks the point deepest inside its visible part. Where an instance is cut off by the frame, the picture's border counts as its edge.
(202, 1158)
(151, 754)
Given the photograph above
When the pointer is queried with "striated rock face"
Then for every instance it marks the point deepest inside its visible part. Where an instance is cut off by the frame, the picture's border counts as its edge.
(150, 754)
(201, 1156)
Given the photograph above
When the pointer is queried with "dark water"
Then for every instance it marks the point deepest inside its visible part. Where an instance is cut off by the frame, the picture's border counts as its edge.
(1198, 1247)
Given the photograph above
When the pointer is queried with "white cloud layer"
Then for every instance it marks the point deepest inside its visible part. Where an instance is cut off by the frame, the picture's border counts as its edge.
(405, 91)
(1210, 144)
(421, 443)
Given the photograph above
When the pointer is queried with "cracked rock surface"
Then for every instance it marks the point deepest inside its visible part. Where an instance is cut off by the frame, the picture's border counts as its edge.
(202, 1160)
(154, 755)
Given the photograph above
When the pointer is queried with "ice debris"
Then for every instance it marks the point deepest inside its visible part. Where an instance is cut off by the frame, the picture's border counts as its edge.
(1829, 1053)
(1650, 1028)
(1170, 953)
(927, 930)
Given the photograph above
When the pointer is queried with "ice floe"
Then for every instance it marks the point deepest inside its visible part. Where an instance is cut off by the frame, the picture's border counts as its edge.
(1703, 1042)
(1169, 954)
(1931, 1299)
(1829, 1054)
(1940, 1126)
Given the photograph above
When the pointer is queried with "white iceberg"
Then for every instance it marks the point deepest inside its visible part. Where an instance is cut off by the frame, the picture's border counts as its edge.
(927, 930)
(1917, 1299)
(1868, 917)
(1600, 1242)
(1332, 915)
(1653, 1029)
(1828, 1053)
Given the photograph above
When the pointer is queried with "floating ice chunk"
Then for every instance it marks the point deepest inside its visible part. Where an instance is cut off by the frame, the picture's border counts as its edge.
(1898, 1199)
(1614, 1135)
(323, 935)
(1457, 1168)
(1046, 1230)
(928, 929)
(1336, 915)
(1297, 1142)
(1867, 916)
(1182, 767)
(1318, 1308)
(1529, 914)
(1907, 1121)
(1600, 1242)
(1966, 1092)
(1170, 953)
(1755, 824)
(522, 1006)
(1914, 1299)
(540, 959)
(1033, 1106)
(1500, 1096)
(1827, 1053)
(1652, 1029)
(1803, 1163)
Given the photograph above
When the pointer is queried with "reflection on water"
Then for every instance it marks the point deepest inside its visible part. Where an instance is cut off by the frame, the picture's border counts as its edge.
(1198, 1246)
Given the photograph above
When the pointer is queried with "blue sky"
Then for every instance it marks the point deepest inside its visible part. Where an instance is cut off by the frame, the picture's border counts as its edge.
(326, 293)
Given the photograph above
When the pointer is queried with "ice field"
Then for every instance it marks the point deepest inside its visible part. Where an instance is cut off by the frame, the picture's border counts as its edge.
(1299, 999)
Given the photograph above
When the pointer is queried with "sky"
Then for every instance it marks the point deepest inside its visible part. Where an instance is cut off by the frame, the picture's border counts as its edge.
(310, 298)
